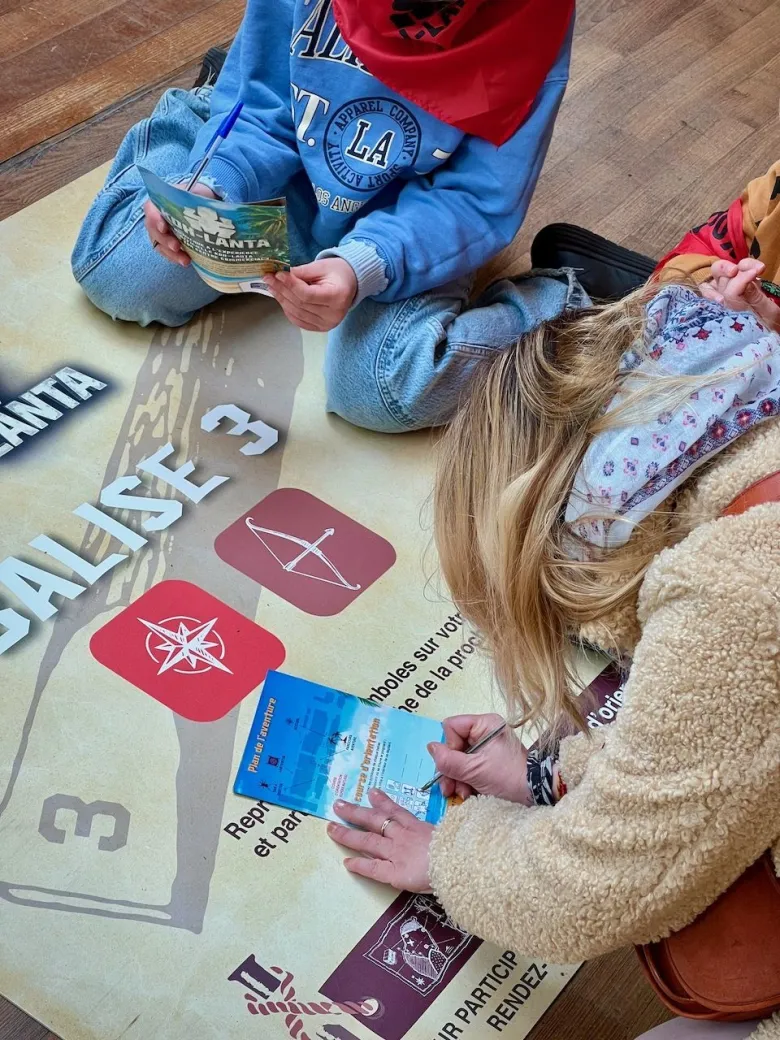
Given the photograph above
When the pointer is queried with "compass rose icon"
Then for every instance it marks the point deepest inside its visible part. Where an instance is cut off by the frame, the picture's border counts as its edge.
(176, 630)
(185, 644)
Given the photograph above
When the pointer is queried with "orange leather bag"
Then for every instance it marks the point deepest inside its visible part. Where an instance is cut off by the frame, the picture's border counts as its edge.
(725, 966)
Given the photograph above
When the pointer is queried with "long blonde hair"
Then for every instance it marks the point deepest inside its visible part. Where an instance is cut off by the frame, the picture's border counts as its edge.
(506, 467)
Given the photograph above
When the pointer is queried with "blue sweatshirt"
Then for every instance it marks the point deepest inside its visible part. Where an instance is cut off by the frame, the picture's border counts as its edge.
(409, 201)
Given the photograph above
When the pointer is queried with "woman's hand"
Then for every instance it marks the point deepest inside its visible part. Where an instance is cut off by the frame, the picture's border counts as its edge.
(317, 296)
(160, 234)
(499, 768)
(737, 287)
(399, 857)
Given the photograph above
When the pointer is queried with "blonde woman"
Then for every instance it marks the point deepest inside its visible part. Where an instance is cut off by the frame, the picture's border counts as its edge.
(580, 496)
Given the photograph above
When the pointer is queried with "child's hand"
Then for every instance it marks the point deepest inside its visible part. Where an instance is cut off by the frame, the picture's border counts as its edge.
(317, 296)
(160, 234)
(737, 287)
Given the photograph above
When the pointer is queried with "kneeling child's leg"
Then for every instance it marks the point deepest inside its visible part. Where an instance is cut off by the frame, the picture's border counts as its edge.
(405, 366)
(113, 259)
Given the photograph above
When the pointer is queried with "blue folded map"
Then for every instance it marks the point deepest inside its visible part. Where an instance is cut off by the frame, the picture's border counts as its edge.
(310, 745)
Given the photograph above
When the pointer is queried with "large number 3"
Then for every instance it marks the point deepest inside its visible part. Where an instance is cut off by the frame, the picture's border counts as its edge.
(243, 423)
(85, 816)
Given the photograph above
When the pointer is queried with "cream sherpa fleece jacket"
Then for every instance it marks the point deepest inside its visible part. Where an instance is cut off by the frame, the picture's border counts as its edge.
(673, 801)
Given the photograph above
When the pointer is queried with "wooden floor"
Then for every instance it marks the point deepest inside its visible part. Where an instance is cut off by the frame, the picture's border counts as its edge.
(75, 74)
(672, 107)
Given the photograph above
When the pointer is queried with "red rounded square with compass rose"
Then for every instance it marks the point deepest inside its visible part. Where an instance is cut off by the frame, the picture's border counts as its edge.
(188, 650)
(305, 551)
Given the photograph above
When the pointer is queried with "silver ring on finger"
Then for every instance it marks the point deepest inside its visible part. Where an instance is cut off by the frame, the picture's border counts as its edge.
(385, 825)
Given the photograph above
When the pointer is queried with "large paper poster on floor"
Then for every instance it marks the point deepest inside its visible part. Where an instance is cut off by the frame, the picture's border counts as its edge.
(181, 518)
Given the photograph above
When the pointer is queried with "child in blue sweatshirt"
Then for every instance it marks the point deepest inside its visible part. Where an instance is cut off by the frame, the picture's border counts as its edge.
(401, 182)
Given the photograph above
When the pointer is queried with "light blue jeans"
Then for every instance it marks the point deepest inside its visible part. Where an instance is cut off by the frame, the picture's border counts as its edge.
(390, 367)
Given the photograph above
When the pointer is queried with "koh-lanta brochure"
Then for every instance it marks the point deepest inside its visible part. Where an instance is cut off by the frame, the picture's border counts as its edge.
(231, 245)
(310, 745)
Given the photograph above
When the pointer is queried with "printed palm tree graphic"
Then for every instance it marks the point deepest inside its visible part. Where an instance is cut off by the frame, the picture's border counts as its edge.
(270, 223)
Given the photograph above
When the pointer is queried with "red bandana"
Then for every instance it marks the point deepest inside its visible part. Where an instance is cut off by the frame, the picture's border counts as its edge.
(475, 64)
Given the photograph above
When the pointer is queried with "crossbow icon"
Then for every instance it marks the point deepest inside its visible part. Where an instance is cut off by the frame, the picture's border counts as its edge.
(308, 549)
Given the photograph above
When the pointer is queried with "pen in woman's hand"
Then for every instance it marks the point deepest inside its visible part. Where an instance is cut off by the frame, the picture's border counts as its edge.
(470, 751)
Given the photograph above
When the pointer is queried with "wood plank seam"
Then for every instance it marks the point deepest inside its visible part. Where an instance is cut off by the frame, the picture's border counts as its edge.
(72, 103)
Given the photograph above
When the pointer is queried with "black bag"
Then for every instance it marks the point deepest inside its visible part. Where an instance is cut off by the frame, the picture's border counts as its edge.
(605, 270)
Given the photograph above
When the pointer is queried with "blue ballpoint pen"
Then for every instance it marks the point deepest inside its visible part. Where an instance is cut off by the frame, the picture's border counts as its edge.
(223, 130)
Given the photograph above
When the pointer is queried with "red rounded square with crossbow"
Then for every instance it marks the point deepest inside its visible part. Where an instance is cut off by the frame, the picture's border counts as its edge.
(305, 551)
(188, 650)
